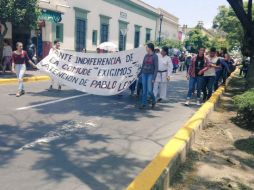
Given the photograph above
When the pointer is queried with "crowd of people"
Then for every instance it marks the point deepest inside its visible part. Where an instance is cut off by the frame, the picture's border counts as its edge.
(205, 70)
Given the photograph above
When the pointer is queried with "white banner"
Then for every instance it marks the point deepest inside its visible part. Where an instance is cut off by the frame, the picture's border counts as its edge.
(100, 74)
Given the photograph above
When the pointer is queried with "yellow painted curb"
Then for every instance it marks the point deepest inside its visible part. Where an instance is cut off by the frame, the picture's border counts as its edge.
(26, 79)
(152, 172)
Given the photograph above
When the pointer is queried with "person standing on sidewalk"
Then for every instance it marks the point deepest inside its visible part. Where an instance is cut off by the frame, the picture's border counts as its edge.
(7, 55)
(210, 74)
(165, 68)
(19, 60)
(31, 52)
(149, 72)
(195, 74)
(55, 48)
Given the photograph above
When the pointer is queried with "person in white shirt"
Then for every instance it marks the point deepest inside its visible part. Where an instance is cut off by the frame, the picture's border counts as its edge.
(7, 55)
(56, 47)
(210, 74)
(165, 68)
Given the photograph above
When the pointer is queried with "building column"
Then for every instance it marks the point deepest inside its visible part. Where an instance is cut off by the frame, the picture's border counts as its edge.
(47, 38)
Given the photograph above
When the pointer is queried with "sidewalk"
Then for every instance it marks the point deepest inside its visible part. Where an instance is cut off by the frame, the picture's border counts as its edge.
(222, 156)
(35, 75)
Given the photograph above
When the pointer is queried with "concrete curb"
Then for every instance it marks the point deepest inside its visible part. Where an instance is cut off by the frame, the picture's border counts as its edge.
(158, 173)
(26, 79)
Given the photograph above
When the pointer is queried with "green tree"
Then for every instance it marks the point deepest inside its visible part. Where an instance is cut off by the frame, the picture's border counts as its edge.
(195, 40)
(18, 12)
(243, 29)
(227, 21)
(218, 43)
(170, 43)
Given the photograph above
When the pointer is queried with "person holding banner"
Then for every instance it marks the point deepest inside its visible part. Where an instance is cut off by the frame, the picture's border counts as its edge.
(19, 60)
(163, 76)
(55, 48)
(149, 72)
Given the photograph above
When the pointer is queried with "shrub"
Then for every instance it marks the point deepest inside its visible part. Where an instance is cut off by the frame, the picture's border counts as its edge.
(245, 106)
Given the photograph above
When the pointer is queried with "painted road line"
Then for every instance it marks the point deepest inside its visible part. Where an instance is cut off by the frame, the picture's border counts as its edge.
(26, 79)
(68, 129)
(51, 102)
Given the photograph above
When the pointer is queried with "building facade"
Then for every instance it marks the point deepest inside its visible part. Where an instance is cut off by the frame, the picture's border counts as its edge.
(84, 24)
(168, 24)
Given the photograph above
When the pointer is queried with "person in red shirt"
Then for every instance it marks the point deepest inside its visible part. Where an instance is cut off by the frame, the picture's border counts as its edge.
(175, 61)
(19, 60)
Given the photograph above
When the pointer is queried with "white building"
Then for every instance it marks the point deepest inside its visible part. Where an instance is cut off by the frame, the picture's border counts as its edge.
(169, 25)
(84, 24)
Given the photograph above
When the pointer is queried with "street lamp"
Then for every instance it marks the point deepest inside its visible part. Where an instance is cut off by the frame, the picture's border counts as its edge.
(161, 19)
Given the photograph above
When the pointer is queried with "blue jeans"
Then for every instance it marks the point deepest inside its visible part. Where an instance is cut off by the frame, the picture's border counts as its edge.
(133, 87)
(195, 82)
(208, 86)
(217, 79)
(147, 88)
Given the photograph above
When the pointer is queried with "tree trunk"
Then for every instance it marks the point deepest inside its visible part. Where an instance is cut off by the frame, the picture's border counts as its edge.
(250, 75)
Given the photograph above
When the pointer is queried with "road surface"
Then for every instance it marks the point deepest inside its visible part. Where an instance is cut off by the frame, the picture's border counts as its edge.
(73, 141)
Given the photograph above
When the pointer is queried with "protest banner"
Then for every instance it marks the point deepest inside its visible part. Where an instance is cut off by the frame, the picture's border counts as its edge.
(103, 74)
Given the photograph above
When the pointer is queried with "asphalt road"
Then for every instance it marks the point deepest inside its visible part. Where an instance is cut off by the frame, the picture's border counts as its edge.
(75, 141)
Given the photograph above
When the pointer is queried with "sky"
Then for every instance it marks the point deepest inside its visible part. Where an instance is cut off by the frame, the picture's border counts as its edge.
(190, 11)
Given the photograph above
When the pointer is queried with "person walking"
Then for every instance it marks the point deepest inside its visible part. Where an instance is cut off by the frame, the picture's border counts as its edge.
(210, 74)
(220, 71)
(175, 61)
(55, 48)
(7, 55)
(149, 72)
(31, 52)
(19, 60)
(165, 68)
(195, 74)
(187, 62)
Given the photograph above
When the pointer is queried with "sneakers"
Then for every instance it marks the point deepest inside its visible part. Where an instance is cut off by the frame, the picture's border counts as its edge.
(142, 107)
(198, 102)
(153, 105)
(187, 103)
(159, 100)
(20, 93)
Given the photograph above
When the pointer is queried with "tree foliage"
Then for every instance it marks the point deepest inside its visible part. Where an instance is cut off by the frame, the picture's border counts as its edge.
(244, 12)
(227, 21)
(170, 43)
(196, 40)
(20, 13)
